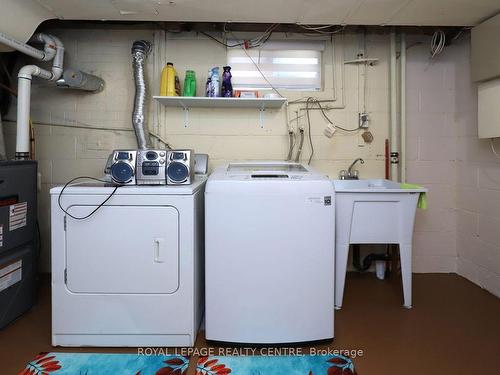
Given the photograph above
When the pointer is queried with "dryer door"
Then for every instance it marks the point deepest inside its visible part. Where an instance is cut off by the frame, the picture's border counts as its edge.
(123, 249)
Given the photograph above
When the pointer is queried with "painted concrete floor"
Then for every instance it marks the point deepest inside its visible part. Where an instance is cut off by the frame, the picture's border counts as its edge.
(453, 328)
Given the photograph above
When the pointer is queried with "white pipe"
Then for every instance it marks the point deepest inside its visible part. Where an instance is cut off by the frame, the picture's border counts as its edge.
(403, 107)
(394, 121)
(24, 90)
(57, 64)
(49, 45)
(46, 55)
(23, 107)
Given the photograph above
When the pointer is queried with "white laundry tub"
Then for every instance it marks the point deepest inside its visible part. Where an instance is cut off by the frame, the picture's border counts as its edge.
(373, 212)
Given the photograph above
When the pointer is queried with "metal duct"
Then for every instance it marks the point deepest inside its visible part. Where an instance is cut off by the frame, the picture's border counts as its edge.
(78, 80)
(140, 50)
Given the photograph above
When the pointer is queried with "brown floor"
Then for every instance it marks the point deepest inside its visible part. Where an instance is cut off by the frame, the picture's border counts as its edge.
(454, 328)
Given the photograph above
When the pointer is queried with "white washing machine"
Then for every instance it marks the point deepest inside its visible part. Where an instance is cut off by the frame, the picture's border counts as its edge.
(269, 260)
(132, 273)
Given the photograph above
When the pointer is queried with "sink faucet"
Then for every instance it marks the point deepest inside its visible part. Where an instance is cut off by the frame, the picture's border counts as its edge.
(351, 174)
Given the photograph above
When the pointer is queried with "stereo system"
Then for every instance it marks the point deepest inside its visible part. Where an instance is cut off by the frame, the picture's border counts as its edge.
(151, 167)
(155, 167)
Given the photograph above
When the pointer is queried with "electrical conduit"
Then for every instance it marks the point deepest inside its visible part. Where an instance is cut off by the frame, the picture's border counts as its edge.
(394, 122)
(403, 107)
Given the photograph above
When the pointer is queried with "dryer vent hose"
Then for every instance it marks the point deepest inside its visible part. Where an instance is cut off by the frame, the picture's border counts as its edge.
(140, 50)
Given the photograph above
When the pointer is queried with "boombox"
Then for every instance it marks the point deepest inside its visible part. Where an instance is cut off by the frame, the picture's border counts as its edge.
(154, 167)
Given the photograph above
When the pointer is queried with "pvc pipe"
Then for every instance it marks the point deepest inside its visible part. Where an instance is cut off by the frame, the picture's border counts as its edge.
(22, 47)
(403, 107)
(393, 104)
(49, 47)
(24, 90)
(23, 116)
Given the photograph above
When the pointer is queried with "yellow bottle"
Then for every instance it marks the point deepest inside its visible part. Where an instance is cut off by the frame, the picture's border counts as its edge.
(167, 84)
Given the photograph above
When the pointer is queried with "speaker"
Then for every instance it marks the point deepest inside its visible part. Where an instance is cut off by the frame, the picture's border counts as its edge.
(180, 167)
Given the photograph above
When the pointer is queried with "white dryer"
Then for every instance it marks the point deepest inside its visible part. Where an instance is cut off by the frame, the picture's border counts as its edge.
(269, 261)
(132, 273)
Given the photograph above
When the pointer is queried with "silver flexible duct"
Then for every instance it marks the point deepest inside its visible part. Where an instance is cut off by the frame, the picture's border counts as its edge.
(140, 50)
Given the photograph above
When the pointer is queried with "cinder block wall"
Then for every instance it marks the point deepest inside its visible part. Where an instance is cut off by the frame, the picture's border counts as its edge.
(225, 134)
(460, 231)
(457, 232)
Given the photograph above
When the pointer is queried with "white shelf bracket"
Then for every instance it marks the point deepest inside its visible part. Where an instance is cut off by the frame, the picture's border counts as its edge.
(261, 116)
(186, 116)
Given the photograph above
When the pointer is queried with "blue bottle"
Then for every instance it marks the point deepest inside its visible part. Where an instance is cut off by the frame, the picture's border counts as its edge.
(227, 86)
(215, 83)
(208, 85)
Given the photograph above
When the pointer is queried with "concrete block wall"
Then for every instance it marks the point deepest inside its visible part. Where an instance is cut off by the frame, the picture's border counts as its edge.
(431, 153)
(478, 190)
(225, 134)
(457, 233)
(460, 231)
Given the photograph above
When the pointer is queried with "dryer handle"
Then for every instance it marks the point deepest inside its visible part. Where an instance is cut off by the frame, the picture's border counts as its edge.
(159, 250)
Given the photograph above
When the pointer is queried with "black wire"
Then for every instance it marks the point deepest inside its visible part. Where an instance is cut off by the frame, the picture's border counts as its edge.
(221, 42)
(97, 208)
(39, 239)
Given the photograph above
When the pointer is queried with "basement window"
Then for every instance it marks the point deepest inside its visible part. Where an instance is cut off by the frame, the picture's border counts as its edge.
(289, 65)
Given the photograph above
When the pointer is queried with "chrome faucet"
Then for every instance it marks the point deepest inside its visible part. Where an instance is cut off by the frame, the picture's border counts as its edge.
(351, 174)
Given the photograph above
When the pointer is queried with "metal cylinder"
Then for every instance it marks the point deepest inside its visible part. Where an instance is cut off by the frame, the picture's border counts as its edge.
(140, 50)
(76, 79)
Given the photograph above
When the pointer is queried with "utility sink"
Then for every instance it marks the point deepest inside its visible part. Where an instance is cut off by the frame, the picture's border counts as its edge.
(373, 211)
(371, 186)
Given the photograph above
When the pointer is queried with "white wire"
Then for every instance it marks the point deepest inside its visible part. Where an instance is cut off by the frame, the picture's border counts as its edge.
(493, 148)
(437, 43)
(258, 68)
(320, 29)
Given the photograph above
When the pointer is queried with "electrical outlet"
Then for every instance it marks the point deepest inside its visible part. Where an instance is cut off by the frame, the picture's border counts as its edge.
(364, 120)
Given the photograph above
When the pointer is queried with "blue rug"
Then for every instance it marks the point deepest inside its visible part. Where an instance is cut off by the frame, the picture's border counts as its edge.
(133, 364)
(102, 363)
(276, 365)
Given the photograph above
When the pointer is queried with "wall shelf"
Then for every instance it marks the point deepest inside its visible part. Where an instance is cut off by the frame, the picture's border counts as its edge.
(186, 102)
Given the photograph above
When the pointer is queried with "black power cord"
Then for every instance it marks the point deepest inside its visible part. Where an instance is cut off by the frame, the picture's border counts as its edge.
(93, 211)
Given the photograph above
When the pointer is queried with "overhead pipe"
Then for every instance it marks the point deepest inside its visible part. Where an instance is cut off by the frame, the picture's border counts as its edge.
(403, 107)
(46, 55)
(25, 75)
(140, 50)
(393, 104)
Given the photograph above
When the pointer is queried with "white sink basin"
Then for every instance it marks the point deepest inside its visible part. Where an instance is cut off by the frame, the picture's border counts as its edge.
(370, 212)
(371, 186)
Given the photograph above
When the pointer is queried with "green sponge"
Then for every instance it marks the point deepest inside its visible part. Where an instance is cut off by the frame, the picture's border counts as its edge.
(422, 199)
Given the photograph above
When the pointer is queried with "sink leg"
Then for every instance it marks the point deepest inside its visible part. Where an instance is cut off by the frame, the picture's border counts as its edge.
(405, 256)
(341, 255)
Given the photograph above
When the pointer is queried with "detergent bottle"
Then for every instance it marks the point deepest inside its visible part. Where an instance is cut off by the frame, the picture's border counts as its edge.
(208, 85)
(189, 84)
(227, 86)
(215, 83)
(167, 85)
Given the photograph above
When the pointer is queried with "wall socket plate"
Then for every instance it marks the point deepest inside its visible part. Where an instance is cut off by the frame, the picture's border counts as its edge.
(364, 120)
